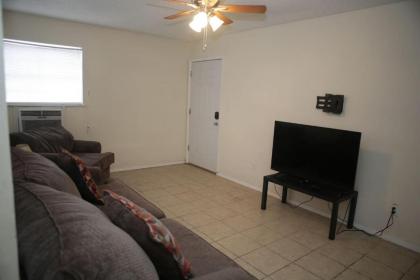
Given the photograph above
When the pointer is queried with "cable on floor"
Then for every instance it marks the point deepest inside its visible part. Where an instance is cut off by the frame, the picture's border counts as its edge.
(293, 206)
(378, 233)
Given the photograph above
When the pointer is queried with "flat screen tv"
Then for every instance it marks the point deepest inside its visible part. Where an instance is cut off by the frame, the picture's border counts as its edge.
(319, 155)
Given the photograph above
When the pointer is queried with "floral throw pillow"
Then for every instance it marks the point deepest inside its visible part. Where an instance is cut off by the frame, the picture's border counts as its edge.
(84, 171)
(158, 232)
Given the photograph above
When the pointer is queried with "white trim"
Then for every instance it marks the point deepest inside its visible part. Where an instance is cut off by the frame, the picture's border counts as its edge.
(237, 181)
(39, 44)
(386, 237)
(187, 139)
(137, 167)
(206, 59)
(34, 104)
(9, 263)
(189, 103)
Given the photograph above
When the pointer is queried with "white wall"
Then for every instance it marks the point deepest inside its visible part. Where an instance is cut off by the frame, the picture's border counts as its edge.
(135, 88)
(8, 245)
(371, 56)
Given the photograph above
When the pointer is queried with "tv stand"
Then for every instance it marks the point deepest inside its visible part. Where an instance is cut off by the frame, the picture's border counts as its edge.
(332, 195)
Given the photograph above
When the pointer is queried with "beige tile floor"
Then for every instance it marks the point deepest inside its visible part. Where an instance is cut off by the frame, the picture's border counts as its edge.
(278, 243)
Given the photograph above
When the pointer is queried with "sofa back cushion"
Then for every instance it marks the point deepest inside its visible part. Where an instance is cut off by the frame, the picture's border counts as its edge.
(44, 139)
(32, 167)
(61, 236)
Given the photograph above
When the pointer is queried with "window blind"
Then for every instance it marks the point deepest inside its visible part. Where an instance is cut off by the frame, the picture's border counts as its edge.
(38, 73)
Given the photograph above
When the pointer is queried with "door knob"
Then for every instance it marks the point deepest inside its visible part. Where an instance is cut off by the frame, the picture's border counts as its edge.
(216, 115)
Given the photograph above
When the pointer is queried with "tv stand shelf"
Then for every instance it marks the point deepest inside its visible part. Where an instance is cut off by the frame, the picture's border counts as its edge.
(332, 195)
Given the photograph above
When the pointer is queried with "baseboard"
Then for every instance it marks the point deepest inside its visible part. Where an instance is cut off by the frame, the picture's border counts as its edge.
(237, 181)
(137, 167)
(386, 237)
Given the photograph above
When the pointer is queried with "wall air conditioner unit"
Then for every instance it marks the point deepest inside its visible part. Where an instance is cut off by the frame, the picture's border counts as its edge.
(32, 118)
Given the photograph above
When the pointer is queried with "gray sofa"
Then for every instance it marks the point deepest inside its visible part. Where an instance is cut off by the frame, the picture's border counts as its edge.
(61, 236)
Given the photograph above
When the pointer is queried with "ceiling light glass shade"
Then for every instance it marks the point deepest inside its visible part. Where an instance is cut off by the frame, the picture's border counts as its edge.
(195, 26)
(199, 22)
(215, 23)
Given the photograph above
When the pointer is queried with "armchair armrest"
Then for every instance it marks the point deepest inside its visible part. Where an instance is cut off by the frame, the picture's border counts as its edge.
(82, 146)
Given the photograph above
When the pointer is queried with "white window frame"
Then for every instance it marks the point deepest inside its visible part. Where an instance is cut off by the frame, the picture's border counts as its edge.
(48, 104)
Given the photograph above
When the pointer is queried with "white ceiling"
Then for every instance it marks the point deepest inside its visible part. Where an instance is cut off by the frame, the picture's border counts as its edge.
(147, 15)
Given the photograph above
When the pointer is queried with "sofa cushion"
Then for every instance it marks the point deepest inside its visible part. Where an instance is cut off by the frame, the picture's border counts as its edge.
(68, 165)
(204, 258)
(32, 167)
(44, 139)
(157, 241)
(121, 188)
(61, 236)
(103, 160)
(88, 181)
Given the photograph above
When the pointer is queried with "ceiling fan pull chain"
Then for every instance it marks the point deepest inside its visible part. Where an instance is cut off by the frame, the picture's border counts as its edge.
(205, 38)
(206, 27)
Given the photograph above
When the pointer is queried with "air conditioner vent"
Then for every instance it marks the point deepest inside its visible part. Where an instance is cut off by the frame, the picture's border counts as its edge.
(36, 118)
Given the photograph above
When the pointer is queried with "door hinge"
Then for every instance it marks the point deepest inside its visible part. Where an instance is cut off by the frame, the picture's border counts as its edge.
(190, 73)
(189, 111)
(188, 147)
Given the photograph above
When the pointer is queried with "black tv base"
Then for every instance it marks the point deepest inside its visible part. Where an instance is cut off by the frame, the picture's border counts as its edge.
(329, 194)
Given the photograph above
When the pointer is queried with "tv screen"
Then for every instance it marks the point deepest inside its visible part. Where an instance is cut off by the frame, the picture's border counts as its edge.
(322, 156)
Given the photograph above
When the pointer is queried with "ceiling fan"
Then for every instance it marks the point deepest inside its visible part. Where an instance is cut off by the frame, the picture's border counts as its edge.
(211, 12)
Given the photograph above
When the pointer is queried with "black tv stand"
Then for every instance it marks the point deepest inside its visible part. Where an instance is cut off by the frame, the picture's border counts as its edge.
(333, 195)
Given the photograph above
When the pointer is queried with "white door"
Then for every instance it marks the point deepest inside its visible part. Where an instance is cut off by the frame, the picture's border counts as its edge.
(204, 113)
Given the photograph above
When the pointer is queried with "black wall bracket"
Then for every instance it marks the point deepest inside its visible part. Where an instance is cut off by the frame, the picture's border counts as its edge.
(330, 103)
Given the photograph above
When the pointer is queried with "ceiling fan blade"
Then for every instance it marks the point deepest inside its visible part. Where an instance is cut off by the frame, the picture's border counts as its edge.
(183, 3)
(224, 18)
(256, 9)
(181, 14)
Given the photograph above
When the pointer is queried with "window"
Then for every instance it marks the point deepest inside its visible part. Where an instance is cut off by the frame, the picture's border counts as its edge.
(41, 74)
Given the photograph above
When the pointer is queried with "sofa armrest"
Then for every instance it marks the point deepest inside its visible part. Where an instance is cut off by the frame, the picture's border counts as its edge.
(83, 146)
(231, 273)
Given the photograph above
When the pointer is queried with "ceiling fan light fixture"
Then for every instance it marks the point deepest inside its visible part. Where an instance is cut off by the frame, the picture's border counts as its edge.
(199, 22)
(194, 26)
(211, 12)
(215, 23)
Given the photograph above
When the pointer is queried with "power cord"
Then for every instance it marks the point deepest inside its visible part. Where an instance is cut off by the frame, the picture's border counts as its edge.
(300, 204)
(378, 233)
(293, 206)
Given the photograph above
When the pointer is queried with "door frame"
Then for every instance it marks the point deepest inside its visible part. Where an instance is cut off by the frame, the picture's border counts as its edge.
(187, 142)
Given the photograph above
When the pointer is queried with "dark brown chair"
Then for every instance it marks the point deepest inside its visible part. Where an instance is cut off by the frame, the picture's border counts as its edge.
(49, 141)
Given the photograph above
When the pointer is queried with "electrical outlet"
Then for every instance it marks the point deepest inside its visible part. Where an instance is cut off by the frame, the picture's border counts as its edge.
(394, 208)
